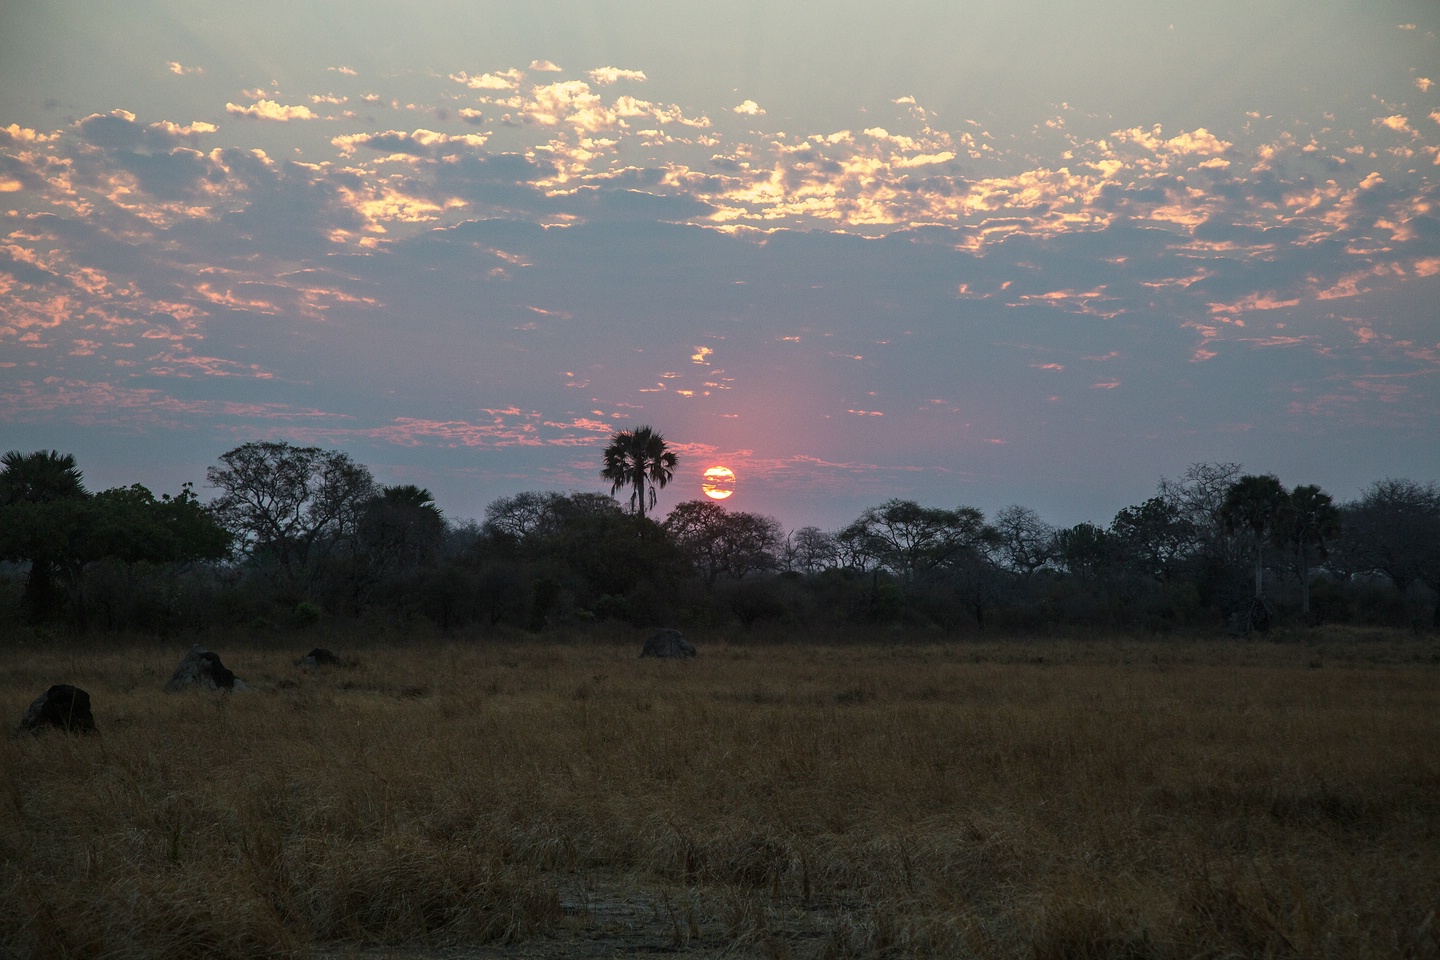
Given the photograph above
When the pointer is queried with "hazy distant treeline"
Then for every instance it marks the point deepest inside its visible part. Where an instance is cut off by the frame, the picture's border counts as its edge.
(297, 534)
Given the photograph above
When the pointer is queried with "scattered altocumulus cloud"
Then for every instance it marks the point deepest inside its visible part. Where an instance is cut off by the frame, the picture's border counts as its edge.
(476, 274)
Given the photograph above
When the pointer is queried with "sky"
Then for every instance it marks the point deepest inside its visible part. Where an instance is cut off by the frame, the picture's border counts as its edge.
(964, 252)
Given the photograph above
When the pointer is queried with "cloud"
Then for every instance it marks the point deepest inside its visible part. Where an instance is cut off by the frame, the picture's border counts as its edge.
(164, 257)
(609, 75)
(749, 108)
(544, 66)
(419, 143)
(501, 80)
(344, 71)
(270, 110)
(181, 70)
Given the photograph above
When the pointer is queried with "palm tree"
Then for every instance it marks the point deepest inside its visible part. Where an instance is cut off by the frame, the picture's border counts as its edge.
(1312, 521)
(39, 477)
(1257, 504)
(635, 457)
(34, 487)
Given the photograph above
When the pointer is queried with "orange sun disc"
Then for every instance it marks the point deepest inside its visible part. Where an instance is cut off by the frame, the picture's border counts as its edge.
(719, 483)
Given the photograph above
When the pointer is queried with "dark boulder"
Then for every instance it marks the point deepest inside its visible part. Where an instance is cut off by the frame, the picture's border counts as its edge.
(319, 657)
(62, 706)
(202, 668)
(668, 643)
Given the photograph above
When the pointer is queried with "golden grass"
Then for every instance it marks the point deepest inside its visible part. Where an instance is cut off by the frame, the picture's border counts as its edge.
(1028, 799)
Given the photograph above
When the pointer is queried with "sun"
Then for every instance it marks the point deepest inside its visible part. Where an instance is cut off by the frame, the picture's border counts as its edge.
(719, 483)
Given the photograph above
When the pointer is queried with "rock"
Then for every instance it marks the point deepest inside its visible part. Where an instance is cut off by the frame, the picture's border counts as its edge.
(203, 669)
(319, 657)
(668, 643)
(61, 706)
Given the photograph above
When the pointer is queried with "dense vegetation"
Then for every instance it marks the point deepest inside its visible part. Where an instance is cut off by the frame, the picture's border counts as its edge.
(297, 534)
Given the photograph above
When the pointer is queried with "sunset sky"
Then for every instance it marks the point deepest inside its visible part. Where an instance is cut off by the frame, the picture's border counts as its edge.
(963, 252)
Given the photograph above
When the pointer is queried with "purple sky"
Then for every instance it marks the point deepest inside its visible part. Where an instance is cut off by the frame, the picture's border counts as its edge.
(975, 253)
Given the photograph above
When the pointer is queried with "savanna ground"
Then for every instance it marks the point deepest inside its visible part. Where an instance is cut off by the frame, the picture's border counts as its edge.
(533, 798)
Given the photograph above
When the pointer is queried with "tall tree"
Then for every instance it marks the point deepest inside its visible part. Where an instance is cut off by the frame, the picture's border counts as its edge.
(721, 542)
(1256, 504)
(638, 459)
(810, 550)
(1085, 550)
(1197, 497)
(1306, 529)
(285, 505)
(912, 540)
(30, 483)
(1153, 538)
(1027, 543)
(401, 529)
(530, 513)
(1394, 529)
(48, 520)
(39, 477)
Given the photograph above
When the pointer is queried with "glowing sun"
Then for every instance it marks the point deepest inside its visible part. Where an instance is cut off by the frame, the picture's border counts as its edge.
(719, 483)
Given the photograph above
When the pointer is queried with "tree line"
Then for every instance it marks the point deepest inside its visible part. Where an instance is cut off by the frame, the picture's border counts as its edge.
(295, 534)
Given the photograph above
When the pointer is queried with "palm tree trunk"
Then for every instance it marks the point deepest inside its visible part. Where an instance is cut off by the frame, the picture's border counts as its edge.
(1304, 581)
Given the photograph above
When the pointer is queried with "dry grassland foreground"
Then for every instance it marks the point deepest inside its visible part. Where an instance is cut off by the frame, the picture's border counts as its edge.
(534, 798)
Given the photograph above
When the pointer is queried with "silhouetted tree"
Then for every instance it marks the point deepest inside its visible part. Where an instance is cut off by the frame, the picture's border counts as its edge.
(527, 514)
(720, 542)
(810, 550)
(31, 529)
(49, 520)
(1308, 525)
(911, 540)
(286, 505)
(1153, 538)
(1216, 551)
(1394, 529)
(1026, 543)
(1256, 504)
(1085, 550)
(401, 529)
(635, 458)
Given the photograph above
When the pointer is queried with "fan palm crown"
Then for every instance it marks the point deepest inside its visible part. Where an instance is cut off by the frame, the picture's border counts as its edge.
(640, 460)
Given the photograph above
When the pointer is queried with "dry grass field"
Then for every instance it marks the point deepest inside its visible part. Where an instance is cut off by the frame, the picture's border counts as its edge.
(1041, 799)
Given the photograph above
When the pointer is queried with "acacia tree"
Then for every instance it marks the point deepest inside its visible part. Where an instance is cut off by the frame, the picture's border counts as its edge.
(724, 543)
(530, 513)
(912, 540)
(286, 505)
(635, 458)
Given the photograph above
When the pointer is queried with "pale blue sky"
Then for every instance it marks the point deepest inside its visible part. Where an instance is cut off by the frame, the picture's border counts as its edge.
(967, 253)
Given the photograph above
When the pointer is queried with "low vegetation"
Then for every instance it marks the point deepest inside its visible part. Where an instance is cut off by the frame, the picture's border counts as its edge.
(1057, 798)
